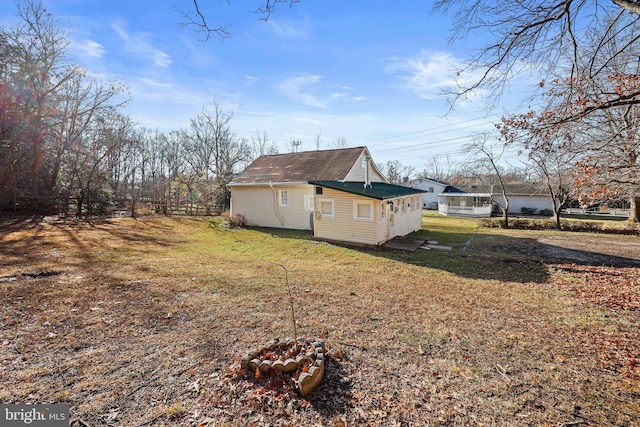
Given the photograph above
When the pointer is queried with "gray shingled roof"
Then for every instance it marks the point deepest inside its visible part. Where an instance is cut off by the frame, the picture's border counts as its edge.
(300, 167)
(525, 188)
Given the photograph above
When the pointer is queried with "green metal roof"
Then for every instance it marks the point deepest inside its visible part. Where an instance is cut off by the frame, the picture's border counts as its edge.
(377, 190)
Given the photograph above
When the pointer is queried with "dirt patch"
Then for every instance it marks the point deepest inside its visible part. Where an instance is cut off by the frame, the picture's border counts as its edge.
(582, 248)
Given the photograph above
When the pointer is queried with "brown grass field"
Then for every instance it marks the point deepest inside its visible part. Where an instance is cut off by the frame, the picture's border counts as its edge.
(143, 322)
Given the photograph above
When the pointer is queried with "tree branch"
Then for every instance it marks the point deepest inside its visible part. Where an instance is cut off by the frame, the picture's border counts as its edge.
(630, 5)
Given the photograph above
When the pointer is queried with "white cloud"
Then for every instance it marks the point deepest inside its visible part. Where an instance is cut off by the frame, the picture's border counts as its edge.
(297, 88)
(137, 44)
(250, 80)
(427, 74)
(296, 30)
(88, 48)
(304, 88)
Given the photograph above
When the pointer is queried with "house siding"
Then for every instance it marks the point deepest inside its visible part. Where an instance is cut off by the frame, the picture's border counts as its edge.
(357, 174)
(259, 205)
(516, 202)
(342, 226)
(409, 219)
(429, 198)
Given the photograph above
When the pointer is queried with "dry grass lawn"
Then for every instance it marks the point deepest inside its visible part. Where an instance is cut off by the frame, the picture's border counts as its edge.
(142, 322)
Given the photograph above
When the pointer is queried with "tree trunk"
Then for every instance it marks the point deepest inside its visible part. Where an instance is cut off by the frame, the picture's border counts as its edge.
(557, 208)
(79, 202)
(634, 213)
(556, 216)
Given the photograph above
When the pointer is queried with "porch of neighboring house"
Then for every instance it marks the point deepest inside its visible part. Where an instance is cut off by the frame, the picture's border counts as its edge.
(477, 205)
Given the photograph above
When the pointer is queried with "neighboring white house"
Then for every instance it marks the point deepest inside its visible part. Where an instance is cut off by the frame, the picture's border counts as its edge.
(339, 194)
(478, 201)
(432, 188)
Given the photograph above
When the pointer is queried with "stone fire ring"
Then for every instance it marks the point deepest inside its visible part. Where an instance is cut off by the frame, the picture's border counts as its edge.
(307, 381)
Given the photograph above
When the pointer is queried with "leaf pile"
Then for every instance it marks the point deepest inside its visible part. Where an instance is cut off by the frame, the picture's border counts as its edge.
(615, 288)
(610, 288)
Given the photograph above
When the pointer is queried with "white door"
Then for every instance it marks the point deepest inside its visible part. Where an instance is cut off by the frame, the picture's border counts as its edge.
(391, 221)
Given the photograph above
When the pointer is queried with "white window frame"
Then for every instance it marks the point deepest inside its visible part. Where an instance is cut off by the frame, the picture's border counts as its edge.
(308, 202)
(283, 197)
(356, 210)
(321, 206)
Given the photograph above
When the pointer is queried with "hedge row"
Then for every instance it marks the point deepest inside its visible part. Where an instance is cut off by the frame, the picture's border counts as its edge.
(622, 227)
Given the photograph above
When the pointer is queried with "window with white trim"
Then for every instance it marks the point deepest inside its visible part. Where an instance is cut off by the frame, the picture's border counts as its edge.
(283, 197)
(308, 202)
(363, 210)
(326, 207)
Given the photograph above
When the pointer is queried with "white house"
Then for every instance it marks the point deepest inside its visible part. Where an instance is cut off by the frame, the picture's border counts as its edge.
(432, 188)
(339, 194)
(483, 201)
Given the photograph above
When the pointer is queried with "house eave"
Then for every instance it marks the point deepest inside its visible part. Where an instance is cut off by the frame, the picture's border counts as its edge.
(266, 184)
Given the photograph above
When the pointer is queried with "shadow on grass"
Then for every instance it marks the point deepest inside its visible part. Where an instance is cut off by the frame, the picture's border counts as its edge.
(486, 256)
(60, 235)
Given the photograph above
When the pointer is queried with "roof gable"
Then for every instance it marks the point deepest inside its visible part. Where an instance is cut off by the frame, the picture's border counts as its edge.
(300, 167)
(418, 181)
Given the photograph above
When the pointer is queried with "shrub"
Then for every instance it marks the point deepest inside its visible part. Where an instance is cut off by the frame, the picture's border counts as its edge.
(528, 211)
(237, 221)
(549, 224)
(545, 212)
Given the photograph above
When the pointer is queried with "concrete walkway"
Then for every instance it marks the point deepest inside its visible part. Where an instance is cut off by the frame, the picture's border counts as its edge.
(404, 243)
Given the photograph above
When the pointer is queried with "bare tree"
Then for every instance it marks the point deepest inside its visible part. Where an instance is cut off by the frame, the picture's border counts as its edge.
(485, 156)
(598, 120)
(341, 142)
(555, 171)
(88, 167)
(39, 67)
(197, 19)
(173, 152)
(439, 169)
(215, 152)
(53, 104)
(260, 145)
(81, 101)
(555, 38)
(397, 173)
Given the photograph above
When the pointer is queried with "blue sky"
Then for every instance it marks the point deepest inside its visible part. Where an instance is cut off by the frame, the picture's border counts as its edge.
(369, 72)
